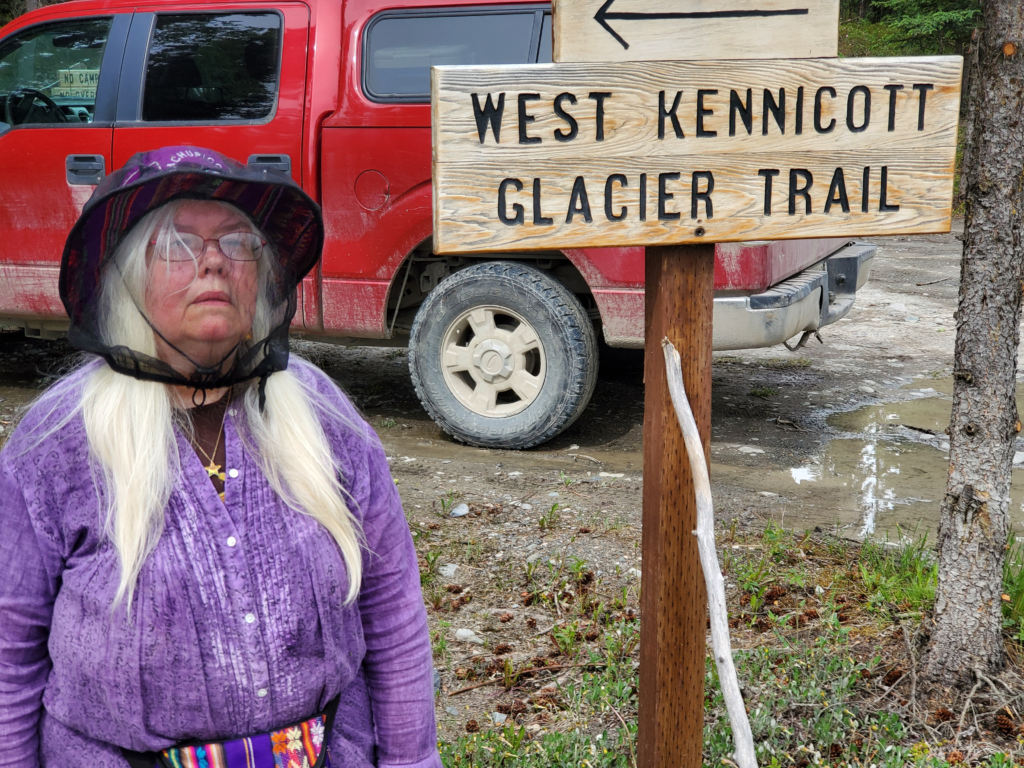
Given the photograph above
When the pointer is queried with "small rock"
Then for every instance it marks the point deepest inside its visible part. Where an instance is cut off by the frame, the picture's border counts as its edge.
(634, 572)
(497, 718)
(768, 494)
(911, 318)
(452, 711)
(819, 591)
(866, 390)
(460, 510)
(750, 449)
(534, 556)
(468, 636)
(574, 447)
(898, 307)
(526, 506)
(448, 570)
(611, 474)
(514, 474)
(553, 494)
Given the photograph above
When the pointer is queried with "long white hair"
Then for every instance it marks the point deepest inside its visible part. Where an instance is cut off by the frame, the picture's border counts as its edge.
(130, 425)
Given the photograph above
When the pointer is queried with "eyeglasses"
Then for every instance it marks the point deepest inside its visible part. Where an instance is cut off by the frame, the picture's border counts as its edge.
(185, 246)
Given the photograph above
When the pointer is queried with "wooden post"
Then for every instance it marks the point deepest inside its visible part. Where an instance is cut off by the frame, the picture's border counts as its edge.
(673, 600)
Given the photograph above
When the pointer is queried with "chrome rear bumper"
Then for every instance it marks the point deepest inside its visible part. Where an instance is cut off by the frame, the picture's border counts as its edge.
(808, 301)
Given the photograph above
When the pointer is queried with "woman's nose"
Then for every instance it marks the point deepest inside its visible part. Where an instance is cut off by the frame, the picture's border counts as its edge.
(212, 259)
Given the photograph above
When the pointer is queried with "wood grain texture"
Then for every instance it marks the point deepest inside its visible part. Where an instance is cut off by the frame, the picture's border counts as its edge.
(631, 113)
(652, 30)
(673, 598)
(466, 201)
(474, 152)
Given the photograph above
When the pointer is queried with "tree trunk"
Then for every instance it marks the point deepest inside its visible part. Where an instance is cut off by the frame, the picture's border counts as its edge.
(967, 631)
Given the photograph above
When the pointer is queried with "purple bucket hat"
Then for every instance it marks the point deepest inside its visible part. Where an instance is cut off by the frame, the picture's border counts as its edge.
(286, 215)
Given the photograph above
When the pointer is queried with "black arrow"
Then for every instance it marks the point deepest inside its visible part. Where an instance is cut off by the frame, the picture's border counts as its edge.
(602, 16)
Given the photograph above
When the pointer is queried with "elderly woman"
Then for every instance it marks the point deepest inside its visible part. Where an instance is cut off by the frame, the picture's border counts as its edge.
(203, 557)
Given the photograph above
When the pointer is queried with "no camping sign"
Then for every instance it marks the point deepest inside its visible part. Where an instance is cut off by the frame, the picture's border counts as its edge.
(675, 126)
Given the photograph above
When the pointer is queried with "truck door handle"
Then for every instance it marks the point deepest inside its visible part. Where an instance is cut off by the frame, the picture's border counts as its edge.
(85, 170)
(279, 163)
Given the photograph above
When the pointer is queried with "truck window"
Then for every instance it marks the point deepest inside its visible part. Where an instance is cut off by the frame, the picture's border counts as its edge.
(545, 52)
(400, 47)
(49, 74)
(213, 67)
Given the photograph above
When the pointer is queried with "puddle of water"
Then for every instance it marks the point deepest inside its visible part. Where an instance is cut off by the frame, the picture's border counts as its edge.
(930, 413)
(881, 476)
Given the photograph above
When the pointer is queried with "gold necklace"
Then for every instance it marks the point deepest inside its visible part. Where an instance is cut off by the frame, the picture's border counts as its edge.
(213, 469)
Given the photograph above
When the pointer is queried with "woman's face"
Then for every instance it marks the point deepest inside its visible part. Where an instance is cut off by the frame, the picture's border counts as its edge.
(204, 312)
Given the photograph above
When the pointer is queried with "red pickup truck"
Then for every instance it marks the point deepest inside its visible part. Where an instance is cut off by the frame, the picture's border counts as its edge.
(336, 93)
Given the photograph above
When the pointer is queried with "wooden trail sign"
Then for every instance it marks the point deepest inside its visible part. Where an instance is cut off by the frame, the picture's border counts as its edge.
(575, 156)
(666, 30)
(677, 156)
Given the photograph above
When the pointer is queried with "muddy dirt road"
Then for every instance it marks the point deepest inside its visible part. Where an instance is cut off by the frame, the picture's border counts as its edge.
(846, 435)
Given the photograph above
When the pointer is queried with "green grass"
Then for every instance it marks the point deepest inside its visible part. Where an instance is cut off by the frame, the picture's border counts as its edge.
(900, 579)
(512, 747)
(812, 694)
(786, 363)
(1013, 588)
(595, 735)
(804, 706)
(449, 501)
(764, 392)
(550, 518)
(860, 37)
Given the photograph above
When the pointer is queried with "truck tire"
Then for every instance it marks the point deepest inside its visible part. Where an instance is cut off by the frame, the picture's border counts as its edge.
(502, 356)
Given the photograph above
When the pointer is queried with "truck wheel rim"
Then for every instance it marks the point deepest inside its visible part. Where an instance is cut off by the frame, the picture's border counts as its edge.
(493, 361)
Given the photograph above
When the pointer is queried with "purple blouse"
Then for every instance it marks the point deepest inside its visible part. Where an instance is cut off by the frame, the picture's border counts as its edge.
(237, 626)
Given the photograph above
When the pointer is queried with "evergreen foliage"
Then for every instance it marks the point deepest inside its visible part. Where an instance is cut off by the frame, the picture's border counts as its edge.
(932, 26)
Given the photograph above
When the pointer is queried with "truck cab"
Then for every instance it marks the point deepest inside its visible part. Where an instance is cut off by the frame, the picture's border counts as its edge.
(336, 93)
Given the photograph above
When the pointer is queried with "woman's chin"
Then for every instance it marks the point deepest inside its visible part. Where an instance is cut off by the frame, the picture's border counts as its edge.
(217, 332)
(206, 347)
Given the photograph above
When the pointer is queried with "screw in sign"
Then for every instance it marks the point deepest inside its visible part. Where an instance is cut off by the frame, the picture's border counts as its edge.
(740, 124)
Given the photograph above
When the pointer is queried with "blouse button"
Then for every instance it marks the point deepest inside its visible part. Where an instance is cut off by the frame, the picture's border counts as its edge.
(250, 618)
(232, 541)
(261, 692)
(232, 473)
(232, 412)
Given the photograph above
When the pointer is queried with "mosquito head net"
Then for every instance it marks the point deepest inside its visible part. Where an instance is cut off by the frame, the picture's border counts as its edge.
(183, 268)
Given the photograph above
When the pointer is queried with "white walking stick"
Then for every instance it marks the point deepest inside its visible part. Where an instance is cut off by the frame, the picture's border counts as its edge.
(742, 737)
